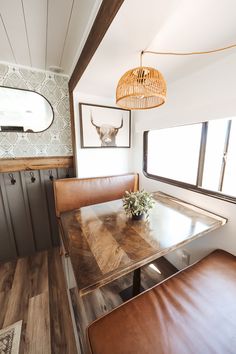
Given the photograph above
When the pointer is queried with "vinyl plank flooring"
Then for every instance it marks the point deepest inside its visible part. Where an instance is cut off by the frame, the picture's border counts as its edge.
(62, 336)
(38, 265)
(81, 318)
(33, 289)
(55, 270)
(17, 306)
(18, 300)
(4, 298)
(7, 271)
(103, 300)
(38, 339)
(156, 272)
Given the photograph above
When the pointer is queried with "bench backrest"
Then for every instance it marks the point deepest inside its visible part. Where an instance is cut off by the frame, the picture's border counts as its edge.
(73, 193)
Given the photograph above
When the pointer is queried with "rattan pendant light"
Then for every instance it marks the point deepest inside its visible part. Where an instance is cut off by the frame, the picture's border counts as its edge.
(144, 87)
(141, 88)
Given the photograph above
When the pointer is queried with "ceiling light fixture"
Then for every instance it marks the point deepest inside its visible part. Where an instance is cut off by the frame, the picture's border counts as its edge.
(145, 87)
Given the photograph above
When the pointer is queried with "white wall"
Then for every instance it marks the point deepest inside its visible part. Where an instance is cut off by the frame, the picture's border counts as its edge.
(99, 162)
(204, 95)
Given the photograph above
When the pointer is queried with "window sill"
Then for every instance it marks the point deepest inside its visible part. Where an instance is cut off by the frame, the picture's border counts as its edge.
(191, 187)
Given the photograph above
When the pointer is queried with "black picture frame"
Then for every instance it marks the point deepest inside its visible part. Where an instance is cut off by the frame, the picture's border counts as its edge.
(104, 126)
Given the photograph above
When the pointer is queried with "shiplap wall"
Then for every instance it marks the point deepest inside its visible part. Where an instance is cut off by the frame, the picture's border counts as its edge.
(27, 212)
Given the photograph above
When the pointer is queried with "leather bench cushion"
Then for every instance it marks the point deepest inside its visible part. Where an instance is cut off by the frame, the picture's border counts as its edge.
(73, 193)
(194, 311)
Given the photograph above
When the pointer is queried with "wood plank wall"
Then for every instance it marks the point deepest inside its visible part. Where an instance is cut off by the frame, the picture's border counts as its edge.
(27, 212)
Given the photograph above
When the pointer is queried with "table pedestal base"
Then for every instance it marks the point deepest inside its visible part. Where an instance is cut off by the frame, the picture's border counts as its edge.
(134, 290)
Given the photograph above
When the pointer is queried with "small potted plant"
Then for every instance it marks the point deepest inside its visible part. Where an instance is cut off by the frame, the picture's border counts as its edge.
(137, 204)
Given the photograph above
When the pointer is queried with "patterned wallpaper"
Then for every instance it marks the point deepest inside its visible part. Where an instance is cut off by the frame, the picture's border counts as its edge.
(56, 140)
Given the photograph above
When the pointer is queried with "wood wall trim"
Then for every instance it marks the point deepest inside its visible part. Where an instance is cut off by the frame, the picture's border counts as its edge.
(104, 18)
(35, 163)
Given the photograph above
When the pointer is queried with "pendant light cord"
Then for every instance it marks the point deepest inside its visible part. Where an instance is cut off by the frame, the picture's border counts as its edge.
(186, 53)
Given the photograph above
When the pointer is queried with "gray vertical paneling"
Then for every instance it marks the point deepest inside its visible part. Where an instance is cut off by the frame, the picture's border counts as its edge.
(47, 176)
(27, 212)
(19, 212)
(65, 172)
(7, 242)
(38, 209)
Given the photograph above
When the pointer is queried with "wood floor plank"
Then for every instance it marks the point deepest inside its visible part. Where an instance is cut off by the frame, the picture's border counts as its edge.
(4, 298)
(156, 272)
(17, 307)
(101, 301)
(38, 339)
(28, 297)
(55, 270)
(7, 271)
(81, 317)
(62, 336)
(19, 294)
(38, 264)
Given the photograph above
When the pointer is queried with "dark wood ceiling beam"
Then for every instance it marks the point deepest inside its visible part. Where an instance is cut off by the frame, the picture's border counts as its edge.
(104, 18)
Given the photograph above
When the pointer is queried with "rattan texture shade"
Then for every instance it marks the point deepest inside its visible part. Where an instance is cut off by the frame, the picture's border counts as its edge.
(141, 88)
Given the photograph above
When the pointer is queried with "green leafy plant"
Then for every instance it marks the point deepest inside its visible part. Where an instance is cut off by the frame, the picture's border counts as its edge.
(137, 203)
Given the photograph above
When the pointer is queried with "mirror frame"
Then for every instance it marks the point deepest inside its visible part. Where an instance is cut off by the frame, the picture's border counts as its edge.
(41, 131)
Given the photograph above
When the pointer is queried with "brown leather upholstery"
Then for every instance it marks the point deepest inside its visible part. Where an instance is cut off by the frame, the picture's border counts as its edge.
(193, 312)
(73, 193)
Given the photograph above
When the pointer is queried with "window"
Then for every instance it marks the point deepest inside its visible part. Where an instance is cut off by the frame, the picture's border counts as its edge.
(180, 146)
(200, 157)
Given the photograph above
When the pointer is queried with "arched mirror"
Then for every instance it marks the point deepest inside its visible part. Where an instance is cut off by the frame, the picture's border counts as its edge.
(24, 111)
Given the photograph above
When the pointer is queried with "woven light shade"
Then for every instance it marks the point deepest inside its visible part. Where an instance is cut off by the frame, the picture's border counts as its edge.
(141, 88)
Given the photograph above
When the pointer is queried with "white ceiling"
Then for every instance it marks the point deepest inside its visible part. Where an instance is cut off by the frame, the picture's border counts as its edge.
(45, 33)
(171, 25)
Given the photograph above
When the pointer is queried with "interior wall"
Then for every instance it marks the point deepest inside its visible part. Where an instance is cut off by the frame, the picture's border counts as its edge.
(207, 94)
(99, 161)
(56, 140)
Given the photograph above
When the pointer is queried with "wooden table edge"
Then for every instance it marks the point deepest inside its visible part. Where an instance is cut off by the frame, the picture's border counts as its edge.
(122, 272)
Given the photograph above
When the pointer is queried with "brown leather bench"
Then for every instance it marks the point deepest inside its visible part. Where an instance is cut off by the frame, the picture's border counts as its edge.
(193, 311)
(73, 193)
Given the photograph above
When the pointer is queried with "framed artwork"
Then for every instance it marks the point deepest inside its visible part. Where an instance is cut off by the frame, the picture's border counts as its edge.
(104, 126)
